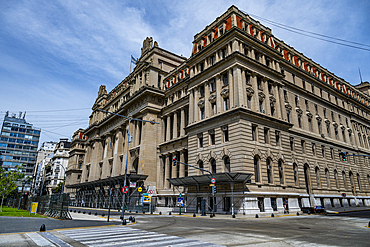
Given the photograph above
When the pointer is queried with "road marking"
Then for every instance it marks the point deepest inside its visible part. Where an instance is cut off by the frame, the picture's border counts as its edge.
(126, 236)
(39, 240)
(55, 239)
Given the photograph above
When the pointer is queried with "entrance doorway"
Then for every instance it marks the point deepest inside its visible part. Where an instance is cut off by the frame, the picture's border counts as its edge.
(273, 203)
(261, 205)
(227, 204)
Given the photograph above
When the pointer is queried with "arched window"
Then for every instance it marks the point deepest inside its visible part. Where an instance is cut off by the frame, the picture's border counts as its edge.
(213, 165)
(344, 180)
(307, 177)
(336, 179)
(257, 169)
(351, 180)
(227, 164)
(295, 174)
(200, 165)
(281, 172)
(368, 179)
(317, 173)
(269, 170)
(358, 181)
(327, 178)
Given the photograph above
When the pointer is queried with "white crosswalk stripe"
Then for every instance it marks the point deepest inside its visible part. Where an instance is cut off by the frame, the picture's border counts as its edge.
(123, 235)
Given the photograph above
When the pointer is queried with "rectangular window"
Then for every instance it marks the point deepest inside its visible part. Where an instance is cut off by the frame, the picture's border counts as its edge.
(293, 75)
(201, 91)
(296, 100)
(200, 140)
(226, 103)
(303, 146)
(212, 85)
(299, 121)
(312, 88)
(212, 137)
(310, 124)
(223, 53)
(313, 149)
(225, 133)
(211, 60)
(323, 151)
(214, 108)
(291, 143)
(304, 84)
(201, 112)
(277, 138)
(266, 134)
(254, 133)
(225, 80)
(331, 153)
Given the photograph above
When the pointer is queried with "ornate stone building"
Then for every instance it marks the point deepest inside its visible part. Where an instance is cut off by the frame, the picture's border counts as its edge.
(267, 121)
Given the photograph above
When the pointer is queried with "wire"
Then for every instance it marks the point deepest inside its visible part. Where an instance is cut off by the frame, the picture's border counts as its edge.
(300, 31)
(76, 109)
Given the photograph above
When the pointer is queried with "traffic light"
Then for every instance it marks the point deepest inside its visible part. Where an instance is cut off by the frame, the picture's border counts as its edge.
(214, 189)
(343, 156)
(174, 161)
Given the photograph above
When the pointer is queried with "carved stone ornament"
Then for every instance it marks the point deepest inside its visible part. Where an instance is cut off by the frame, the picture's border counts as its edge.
(309, 115)
(299, 111)
(102, 90)
(225, 93)
(318, 118)
(288, 107)
(201, 103)
(342, 127)
(335, 125)
(349, 130)
(327, 121)
(250, 91)
(212, 98)
(272, 100)
(261, 96)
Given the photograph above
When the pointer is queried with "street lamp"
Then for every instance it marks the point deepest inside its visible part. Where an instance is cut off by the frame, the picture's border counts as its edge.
(128, 140)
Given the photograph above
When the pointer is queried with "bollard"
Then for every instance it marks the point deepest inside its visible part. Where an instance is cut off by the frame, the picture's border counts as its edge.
(143, 212)
(71, 210)
(211, 216)
(194, 215)
(297, 213)
(160, 213)
(89, 213)
(79, 211)
(84, 212)
(75, 211)
(96, 213)
(42, 228)
(136, 212)
(233, 215)
(103, 215)
(272, 215)
(130, 218)
(133, 219)
(257, 216)
(368, 224)
(169, 213)
(124, 222)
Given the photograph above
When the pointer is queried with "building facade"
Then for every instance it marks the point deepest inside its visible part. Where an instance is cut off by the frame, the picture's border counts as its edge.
(18, 144)
(56, 167)
(244, 105)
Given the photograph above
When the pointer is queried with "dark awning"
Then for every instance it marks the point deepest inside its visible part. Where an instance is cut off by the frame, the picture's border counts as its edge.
(221, 178)
(111, 180)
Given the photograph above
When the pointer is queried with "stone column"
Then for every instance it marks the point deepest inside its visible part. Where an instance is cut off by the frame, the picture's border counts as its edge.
(163, 123)
(137, 133)
(229, 49)
(217, 57)
(160, 173)
(231, 88)
(219, 101)
(196, 108)
(267, 99)
(239, 89)
(119, 147)
(255, 99)
(252, 55)
(182, 166)
(182, 123)
(174, 125)
(207, 104)
(282, 102)
(277, 104)
(167, 172)
(235, 46)
(191, 107)
(168, 128)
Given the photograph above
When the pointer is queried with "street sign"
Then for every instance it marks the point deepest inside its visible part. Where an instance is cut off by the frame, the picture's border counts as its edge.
(344, 195)
(150, 192)
(139, 189)
(124, 189)
(180, 201)
(146, 199)
(212, 185)
(132, 184)
(34, 207)
(213, 180)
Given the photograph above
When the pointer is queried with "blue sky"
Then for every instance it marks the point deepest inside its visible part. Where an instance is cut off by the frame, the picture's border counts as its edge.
(56, 54)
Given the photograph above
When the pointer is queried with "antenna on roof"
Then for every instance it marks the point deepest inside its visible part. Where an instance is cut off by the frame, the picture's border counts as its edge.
(359, 71)
(24, 115)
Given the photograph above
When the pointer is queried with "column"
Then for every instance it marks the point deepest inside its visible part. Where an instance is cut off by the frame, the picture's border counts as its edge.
(182, 122)
(117, 160)
(191, 107)
(228, 49)
(167, 172)
(174, 125)
(207, 104)
(137, 133)
(255, 99)
(182, 166)
(231, 88)
(174, 168)
(219, 102)
(267, 99)
(160, 173)
(168, 128)
(163, 123)
(239, 89)
(263, 60)
(217, 57)
(196, 108)
(252, 53)
(235, 46)
(282, 102)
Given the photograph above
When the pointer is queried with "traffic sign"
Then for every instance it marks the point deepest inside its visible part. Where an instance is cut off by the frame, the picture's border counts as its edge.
(344, 195)
(180, 201)
(150, 192)
(139, 189)
(213, 180)
(124, 189)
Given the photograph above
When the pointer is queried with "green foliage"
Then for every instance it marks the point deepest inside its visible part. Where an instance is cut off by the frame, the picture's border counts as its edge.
(8, 182)
(9, 211)
(58, 189)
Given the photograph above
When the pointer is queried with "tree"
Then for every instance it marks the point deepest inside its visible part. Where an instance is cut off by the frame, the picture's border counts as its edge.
(8, 182)
(59, 187)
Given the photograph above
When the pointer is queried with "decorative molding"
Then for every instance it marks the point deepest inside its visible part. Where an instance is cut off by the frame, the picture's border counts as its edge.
(225, 93)
(250, 91)
(261, 96)
(212, 98)
(201, 103)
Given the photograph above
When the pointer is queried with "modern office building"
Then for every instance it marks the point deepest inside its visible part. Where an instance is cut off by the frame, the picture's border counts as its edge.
(268, 122)
(18, 144)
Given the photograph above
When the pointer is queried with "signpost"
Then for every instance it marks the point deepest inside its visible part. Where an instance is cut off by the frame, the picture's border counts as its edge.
(139, 189)
(146, 198)
(150, 192)
(124, 189)
(344, 196)
(180, 202)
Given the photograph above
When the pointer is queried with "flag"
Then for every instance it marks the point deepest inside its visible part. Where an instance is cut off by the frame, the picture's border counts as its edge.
(133, 60)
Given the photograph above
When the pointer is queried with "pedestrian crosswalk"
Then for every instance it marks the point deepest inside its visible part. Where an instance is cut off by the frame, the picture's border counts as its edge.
(126, 236)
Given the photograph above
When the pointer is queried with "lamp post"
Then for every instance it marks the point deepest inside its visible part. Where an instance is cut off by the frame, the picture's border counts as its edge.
(128, 141)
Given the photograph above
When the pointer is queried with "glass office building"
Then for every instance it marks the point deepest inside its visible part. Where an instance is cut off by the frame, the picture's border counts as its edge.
(18, 143)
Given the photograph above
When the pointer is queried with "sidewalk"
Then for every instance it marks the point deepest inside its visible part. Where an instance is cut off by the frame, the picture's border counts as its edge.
(346, 210)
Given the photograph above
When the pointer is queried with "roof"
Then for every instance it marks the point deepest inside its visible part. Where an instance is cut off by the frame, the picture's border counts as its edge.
(221, 178)
(109, 181)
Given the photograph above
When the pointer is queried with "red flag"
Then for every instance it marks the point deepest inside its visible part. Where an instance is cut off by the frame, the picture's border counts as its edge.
(251, 30)
(195, 48)
(305, 66)
(205, 41)
(261, 36)
(295, 61)
(286, 56)
(330, 81)
(215, 35)
(174, 81)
